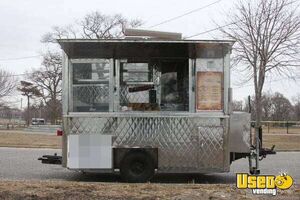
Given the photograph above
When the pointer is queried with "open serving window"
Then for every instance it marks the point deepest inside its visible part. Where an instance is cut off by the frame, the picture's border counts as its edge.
(154, 85)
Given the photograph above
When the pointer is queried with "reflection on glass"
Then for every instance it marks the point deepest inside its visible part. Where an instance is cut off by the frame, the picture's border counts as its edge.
(135, 86)
(90, 72)
(91, 86)
(135, 72)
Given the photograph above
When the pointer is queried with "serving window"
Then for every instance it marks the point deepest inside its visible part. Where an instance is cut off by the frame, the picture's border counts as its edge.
(137, 87)
(147, 76)
(154, 85)
(144, 85)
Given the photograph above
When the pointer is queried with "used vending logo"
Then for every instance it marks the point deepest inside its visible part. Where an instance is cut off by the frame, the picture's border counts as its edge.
(264, 184)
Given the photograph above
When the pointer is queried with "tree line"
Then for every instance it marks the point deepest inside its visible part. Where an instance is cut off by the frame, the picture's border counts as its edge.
(275, 107)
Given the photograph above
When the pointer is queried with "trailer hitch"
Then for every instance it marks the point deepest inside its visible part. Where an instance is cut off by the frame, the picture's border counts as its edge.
(51, 159)
(263, 152)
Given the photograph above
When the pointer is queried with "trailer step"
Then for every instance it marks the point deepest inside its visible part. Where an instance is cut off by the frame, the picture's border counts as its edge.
(51, 159)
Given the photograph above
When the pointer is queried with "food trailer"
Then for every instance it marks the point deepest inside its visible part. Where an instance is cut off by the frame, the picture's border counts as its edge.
(139, 106)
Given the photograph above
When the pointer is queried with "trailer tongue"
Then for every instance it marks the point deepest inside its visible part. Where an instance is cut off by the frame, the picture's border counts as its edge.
(51, 159)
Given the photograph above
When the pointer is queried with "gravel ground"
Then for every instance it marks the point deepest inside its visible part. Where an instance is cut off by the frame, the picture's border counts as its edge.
(74, 190)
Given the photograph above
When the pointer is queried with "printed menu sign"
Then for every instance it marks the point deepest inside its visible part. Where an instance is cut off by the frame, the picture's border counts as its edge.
(209, 91)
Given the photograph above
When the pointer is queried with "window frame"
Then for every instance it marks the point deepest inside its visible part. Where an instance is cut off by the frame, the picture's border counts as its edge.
(190, 91)
(110, 82)
(114, 86)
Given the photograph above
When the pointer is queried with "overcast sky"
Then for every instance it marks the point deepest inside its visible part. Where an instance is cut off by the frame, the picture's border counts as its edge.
(23, 22)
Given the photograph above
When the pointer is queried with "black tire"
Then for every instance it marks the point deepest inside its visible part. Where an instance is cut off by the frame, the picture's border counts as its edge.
(137, 167)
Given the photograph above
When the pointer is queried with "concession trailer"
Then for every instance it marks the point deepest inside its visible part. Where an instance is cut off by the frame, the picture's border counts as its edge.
(157, 104)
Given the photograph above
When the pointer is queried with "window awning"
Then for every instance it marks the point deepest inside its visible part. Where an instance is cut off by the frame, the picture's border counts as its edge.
(122, 48)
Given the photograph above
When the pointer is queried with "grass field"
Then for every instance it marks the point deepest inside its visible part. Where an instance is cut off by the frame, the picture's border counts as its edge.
(281, 130)
(283, 142)
(21, 139)
(91, 190)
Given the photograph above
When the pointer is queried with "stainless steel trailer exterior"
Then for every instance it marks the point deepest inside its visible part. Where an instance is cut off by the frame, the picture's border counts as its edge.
(181, 137)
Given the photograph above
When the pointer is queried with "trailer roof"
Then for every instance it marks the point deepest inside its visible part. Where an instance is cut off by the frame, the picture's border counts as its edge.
(76, 48)
(61, 41)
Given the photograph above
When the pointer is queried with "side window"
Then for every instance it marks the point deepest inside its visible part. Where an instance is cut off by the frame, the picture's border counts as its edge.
(91, 86)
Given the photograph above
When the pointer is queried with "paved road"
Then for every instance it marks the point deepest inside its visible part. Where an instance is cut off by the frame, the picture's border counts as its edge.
(21, 163)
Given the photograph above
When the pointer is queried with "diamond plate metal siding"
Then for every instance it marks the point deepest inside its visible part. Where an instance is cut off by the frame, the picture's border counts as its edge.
(185, 144)
(211, 141)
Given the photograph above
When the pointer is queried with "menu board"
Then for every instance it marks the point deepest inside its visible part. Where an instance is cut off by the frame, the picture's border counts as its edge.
(209, 91)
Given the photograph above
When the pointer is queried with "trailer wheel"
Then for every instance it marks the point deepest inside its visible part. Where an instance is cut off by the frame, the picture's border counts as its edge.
(137, 166)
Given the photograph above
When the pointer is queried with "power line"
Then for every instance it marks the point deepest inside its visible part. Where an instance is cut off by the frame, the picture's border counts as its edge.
(24, 74)
(19, 58)
(185, 14)
(13, 75)
(210, 30)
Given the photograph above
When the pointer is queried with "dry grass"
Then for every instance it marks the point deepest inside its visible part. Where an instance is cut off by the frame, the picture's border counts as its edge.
(80, 190)
(20, 139)
(281, 130)
(283, 142)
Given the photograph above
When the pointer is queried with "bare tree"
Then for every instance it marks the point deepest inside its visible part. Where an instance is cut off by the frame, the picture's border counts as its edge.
(281, 107)
(237, 105)
(94, 25)
(267, 35)
(296, 107)
(7, 83)
(266, 103)
(275, 106)
(47, 80)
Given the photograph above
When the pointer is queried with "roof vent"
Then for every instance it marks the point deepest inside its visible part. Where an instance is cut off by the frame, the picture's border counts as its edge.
(147, 34)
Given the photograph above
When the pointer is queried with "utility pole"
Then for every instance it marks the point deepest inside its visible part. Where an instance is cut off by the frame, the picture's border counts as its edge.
(28, 113)
(21, 111)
